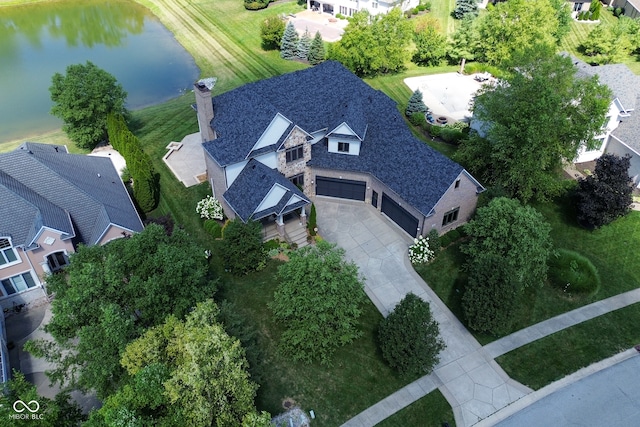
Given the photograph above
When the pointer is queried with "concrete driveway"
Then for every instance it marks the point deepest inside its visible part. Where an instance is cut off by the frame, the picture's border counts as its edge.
(469, 378)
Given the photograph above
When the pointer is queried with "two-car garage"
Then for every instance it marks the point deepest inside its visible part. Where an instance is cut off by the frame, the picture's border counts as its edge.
(356, 190)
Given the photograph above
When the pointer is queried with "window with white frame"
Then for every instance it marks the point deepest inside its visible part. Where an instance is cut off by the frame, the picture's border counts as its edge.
(343, 147)
(7, 254)
(18, 283)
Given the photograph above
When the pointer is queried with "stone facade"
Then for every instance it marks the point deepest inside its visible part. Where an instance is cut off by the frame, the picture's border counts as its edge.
(296, 138)
(204, 107)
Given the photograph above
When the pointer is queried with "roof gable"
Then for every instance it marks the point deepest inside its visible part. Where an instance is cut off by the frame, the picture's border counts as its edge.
(273, 133)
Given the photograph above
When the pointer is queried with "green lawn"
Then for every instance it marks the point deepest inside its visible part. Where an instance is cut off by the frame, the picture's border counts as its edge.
(441, 9)
(430, 411)
(553, 357)
(618, 268)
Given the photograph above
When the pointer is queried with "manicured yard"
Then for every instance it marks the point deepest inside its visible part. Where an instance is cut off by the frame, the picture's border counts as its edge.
(618, 268)
(430, 411)
(551, 358)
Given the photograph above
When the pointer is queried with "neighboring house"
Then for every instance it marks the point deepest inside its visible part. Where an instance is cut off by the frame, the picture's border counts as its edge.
(631, 7)
(579, 6)
(329, 134)
(51, 202)
(349, 7)
(621, 132)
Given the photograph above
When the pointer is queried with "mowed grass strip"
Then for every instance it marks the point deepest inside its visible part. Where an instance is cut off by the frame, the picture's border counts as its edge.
(433, 410)
(551, 358)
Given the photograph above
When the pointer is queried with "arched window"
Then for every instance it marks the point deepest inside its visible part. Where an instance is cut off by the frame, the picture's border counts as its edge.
(7, 254)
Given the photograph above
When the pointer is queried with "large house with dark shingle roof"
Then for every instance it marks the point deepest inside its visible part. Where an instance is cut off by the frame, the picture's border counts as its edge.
(621, 133)
(272, 146)
(53, 201)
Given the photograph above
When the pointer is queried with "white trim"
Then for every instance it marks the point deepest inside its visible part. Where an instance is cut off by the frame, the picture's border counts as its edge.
(278, 120)
(277, 191)
(282, 148)
(15, 253)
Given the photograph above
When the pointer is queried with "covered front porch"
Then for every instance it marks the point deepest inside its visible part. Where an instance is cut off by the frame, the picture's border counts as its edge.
(290, 227)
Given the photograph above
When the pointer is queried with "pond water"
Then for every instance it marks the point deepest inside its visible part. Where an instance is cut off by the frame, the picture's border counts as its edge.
(120, 37)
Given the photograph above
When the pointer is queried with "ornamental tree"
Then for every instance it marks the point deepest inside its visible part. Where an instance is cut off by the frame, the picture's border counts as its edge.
(318, 301)
(465, 43)
(508, 251)
(410, 338)
(110, 294)
(415, 104)
(289, 43)
(538, 116)
(271, 30)
(82, 99)
(184, 372)
(605, 195)
(210, 208)
(316, 50)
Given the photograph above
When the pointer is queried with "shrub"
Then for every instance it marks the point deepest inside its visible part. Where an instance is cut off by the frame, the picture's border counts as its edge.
(271, 244)
(312, 222)
(209, 208)
(417, 119)
(410, 338)
(427, 5)
(421, 7)
(450, 237)
(415, 11)
(573, 273)
(255, 5)
(212, 227)
(435, 130)
(340, 16)
(243, 251)
(452, 135)
(420, 251)
(434, 240)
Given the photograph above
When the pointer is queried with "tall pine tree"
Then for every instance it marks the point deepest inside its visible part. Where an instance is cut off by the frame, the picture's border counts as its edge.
(415, 104)
(316, 51)
(289, 45)
(465, 8)
(304, 45)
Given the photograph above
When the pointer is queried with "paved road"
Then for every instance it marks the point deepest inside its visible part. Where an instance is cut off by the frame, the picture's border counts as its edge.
(610, 397)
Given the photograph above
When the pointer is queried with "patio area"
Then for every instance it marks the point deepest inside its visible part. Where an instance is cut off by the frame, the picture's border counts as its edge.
(186, 160)
(331, 28)
(448, 95)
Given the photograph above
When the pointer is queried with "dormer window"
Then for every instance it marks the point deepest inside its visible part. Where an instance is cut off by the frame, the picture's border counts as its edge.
(295, 153)
(7, 254)
(343, 147)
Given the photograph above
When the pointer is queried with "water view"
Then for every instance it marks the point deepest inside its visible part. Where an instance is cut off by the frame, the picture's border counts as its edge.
(121, 37)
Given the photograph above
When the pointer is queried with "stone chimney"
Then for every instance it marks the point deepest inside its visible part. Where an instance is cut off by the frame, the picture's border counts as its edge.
(204, 107)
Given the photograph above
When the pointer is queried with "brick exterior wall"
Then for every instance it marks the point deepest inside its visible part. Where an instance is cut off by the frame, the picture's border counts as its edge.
(218, 181)
(465, 197)
(296, 138)
(204, 107)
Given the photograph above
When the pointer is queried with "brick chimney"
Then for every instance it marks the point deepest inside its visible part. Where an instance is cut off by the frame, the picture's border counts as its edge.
(204, 107)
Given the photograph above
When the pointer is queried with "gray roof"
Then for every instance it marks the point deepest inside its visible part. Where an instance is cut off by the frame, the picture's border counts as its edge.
(624, 84)
(75, 194)
(628, 131)
(253, 184)
(322, 97)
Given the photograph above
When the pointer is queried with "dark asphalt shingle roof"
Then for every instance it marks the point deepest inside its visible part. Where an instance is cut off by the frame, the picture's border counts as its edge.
(55, 184)
(252, 185)
(322, 97)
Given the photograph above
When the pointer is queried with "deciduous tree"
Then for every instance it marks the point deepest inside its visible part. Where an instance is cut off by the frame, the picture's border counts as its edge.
(531, 121)
(82, 99)
(465, 42)
(243, 251)
(410, 338)
(110, 294)
(516, 25)
(184, 373)
(508, 252)
(375, 44)
(271, 31)
(605, 195)
(318, 301)
(431, 45)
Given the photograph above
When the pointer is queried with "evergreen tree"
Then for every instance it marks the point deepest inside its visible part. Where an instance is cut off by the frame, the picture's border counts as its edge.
(595, 9)
(304, 45)
(465, 8)
(289, 44)
(415, 104)
(316, 51)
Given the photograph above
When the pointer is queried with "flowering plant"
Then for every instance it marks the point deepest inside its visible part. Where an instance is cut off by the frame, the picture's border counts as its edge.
(420, 252)
(209, 208)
